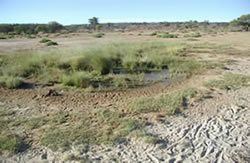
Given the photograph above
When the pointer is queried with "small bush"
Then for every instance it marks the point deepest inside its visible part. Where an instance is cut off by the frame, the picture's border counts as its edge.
(3, 37)
(44, 40)
(168, 35)
(51, 43)
(99, 35)
(153, 34)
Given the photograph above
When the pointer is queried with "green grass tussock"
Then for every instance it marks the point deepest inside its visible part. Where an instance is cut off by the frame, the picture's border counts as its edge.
(10, 143)
(230, 81)
(77, 79)
(167, 103)
(10, 82)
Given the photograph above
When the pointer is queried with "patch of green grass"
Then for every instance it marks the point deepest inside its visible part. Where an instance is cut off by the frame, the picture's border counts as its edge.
(10, 82)
(77, 79)
(230, 81)
(11, 143)
(36, 122)
(179, 66)
(167, 103)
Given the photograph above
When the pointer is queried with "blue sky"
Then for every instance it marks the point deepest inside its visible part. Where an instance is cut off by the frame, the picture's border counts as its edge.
(79, 11)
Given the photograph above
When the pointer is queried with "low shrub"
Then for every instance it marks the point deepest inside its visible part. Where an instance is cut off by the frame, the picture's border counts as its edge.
(3, 37)
(44, 40)
(99, 35)
(51, 43)
(153, 34)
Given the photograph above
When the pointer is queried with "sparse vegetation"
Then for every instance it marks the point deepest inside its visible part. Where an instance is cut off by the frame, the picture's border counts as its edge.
(101, 126)
(167, 35)
(230, 81)
(167, 103)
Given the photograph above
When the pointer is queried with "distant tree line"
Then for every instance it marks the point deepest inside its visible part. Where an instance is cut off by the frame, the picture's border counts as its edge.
(51, 27)
(94, 25)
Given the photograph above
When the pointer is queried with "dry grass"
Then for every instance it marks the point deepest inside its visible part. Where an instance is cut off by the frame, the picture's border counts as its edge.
(167, 103)
(230, 81)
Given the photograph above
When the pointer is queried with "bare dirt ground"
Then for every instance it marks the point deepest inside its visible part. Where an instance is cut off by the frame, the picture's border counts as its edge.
(214, 129)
